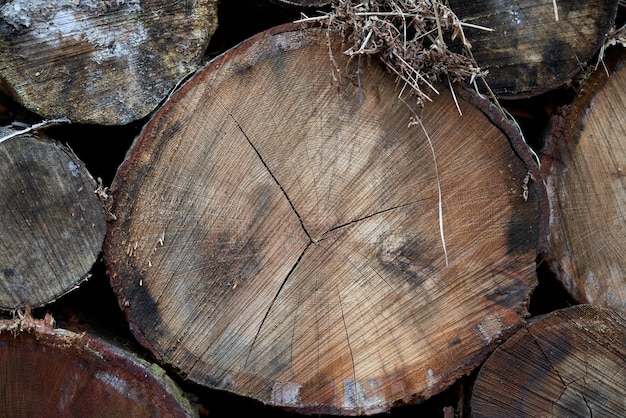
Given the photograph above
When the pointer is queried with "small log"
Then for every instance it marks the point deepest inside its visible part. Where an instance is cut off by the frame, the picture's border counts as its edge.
(53, 222)
(568, 363)
(59, 373)
(279, 234)
(584, 161)
(101, 62)
(537, 45)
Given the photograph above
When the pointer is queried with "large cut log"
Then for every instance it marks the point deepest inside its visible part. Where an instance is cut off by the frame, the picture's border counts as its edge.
(53, 222)
(285, 233)
(103, 62)
(568, 363)
(534, 46)
(584, 161)
(54, 372)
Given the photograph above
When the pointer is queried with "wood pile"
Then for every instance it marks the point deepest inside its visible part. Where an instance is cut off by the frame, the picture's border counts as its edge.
(211, 209)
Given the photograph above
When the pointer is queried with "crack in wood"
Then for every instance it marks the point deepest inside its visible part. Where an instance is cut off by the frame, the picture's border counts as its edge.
(269, 308)
(552, 366)
(344, 225)
(311, 241)
(284, 192)
(301, 224)
(354, 383)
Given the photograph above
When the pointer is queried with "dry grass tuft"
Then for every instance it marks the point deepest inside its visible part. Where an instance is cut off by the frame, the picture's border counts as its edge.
(410, 37)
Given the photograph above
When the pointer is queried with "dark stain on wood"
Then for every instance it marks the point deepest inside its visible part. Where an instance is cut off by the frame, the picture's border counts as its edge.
(529, 52)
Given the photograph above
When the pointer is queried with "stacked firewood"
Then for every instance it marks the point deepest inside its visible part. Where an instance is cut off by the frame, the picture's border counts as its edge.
(313, 207)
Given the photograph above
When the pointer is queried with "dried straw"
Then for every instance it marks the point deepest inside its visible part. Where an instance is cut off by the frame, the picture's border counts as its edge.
(410, 37)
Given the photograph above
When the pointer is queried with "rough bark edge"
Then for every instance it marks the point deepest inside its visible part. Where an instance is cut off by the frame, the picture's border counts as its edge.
(566, 124)
(45, 333)
(200, 74)
(512, 131)
(101, 193)
(495, 114)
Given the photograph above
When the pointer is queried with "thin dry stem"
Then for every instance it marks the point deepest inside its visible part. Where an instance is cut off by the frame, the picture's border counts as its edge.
(556, 11)
(615, 37)
(417, 121)
(41, 125)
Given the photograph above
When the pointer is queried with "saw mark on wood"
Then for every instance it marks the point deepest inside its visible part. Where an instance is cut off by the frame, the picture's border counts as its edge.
(345, 327)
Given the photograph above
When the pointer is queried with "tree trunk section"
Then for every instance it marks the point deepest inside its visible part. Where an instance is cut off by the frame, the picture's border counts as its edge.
(53, 372)
(529, 51)
(53, 222)
(107, 63)
(568, 363)
(585, 166)
(279, 236)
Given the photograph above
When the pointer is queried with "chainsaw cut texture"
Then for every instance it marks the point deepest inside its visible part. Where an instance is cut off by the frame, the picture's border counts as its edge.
(278, 231)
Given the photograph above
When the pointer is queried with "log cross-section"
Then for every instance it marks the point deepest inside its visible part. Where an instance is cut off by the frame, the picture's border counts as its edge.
(53, 223)
(532, 47)
(284, 232)
(568, 363)
(54, 372)
(584, 164)
(100, 62)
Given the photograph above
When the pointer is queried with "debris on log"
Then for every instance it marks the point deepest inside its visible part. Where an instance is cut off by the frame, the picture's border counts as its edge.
(534, 46)
(100, 62)
(299, 236)
(55, 372)
(584, 161)
(53, 222)
(410, 38)
(569, 363)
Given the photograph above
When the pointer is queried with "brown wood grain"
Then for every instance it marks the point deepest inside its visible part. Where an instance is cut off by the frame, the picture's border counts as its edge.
(278, 232)
(568, 363)
(585, 163)
(58, 373)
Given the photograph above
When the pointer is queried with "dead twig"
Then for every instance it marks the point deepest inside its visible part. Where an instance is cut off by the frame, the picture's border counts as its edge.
(615, 37)
(41, 125)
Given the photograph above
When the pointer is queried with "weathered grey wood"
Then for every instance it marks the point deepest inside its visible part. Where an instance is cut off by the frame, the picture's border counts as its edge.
(53, 222)
(102, 62)
(529, 51)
